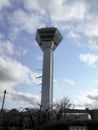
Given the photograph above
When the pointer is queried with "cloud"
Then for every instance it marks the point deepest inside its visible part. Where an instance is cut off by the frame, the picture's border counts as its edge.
(88, 58)
(96, 81)
(89, 98)
(73, 10)
(93, 42)
(89, 33)
(69, 81)
(24, 98)
(19, 99)
(13, 74)
(23, 21)
(4, 3)
(79, 18)
(76, 37)
(35, 5)
(12, 71)
(6, 48)
(93, 97)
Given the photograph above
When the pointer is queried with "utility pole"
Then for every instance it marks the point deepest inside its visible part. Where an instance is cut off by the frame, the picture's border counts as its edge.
(3, 100)
(2, 105)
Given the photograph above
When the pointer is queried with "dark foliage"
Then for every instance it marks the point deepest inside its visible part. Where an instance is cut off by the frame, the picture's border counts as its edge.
(62, 125)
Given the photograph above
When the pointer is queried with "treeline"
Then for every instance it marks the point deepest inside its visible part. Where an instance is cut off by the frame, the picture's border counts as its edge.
(32, 118)
(41, 118)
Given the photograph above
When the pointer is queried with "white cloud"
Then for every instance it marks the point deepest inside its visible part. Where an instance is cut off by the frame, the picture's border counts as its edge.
(66, 11)
(73, 15)
(79, 18)
(90, 32)
(20, 20)
(76, 37)
(96, 81)
(73, 10)
(4, 3)
(19, 99)
(12, 71)
(88, 58)
(69, 81)
(93, 42)
(89, 98)
(13, 74)
(6, 48)
(34, 5)
(9, 49)
(90, 29)
(23, 98)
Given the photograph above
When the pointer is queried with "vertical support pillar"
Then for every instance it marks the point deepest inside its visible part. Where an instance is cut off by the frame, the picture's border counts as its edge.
(47, 80)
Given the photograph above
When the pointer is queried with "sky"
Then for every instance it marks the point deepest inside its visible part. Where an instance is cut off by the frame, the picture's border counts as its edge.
(75, 59)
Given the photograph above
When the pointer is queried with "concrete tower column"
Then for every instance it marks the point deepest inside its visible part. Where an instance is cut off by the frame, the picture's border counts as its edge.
(47, 80)
(48, 39)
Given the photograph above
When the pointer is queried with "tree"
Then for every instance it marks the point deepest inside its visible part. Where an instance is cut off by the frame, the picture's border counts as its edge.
(61, 106)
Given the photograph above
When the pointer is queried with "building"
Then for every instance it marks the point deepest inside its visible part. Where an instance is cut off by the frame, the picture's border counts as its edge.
(77, 127)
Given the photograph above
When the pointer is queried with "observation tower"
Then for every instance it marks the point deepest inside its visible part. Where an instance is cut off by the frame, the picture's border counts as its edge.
(48, 39)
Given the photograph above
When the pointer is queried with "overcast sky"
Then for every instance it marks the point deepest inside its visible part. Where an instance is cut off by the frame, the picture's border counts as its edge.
(75, 59)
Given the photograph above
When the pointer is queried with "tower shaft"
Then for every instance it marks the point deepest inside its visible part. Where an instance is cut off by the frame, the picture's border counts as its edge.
(47, 78)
